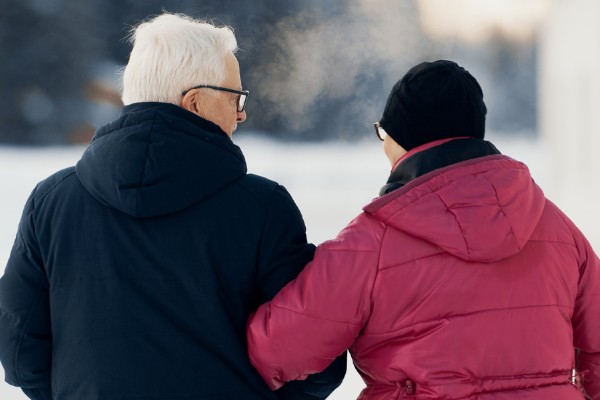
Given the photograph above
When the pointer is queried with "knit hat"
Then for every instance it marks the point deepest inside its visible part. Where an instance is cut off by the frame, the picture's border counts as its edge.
(434, 100)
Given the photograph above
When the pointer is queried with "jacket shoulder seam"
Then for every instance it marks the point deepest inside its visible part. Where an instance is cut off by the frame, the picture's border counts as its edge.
(270, 187)
(377, 270)
(69, 172)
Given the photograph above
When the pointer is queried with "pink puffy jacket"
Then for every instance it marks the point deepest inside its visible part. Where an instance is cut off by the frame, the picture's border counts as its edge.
(466, 283)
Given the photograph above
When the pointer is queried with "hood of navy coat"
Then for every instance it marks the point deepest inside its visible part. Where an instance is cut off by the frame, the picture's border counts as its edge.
(481, 210)
(158, 158)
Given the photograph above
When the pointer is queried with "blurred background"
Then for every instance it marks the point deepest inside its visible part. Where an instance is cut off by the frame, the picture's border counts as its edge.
(316, 70)
(319, 73)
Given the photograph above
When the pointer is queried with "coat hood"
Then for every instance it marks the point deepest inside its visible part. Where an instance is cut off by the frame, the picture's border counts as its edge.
(158, 158)
(480, 210)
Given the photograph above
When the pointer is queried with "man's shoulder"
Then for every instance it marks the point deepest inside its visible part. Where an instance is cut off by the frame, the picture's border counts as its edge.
(262, 189)
(259, 182)
(58, 178)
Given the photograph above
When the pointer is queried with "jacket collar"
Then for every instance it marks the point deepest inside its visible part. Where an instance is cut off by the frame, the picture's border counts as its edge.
(427, 158)
(173, 110)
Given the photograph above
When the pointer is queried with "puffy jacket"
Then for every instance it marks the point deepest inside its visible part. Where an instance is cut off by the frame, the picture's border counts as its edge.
(133, 274)
(464, 282)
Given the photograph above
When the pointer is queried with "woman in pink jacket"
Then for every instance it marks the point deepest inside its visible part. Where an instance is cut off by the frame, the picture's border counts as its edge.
(461, 281)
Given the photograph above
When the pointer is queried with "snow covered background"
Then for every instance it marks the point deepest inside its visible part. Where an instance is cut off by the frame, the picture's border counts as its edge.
(330, 183)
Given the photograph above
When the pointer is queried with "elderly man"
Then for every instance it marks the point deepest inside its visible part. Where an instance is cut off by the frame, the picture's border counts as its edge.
(134, 272)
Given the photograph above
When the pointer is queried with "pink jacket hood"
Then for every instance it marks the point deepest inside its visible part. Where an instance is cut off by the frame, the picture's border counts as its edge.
(497, 193)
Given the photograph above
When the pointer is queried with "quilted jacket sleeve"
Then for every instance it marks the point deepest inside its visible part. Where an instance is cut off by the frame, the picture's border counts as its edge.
(25, 334)
(586, 320)
(316, 317)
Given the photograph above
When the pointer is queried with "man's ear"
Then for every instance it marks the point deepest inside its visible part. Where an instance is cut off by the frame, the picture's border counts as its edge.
(190, 101)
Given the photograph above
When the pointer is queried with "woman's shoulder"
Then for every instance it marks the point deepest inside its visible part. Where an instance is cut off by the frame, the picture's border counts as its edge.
(363, 234)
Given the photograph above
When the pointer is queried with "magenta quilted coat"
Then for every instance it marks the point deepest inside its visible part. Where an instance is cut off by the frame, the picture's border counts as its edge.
(466, 283)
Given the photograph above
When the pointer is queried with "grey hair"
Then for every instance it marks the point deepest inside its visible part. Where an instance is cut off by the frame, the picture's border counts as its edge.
(172, 53)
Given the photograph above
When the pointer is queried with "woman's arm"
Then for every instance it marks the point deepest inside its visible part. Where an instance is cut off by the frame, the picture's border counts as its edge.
(316, 317)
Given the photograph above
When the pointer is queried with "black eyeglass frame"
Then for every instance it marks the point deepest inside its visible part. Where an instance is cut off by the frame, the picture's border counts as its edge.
(378, 127)
(241, 106)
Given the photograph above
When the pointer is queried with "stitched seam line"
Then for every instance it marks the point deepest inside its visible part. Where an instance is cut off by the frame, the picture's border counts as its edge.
(462, 231)
(385, 228)
(441, 252)
(22, 337)
(453, 316)
(314, 317)
(54, 186)
(502, 210)
(141, 180)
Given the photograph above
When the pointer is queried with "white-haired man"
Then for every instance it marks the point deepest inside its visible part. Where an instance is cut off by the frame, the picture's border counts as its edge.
(134, 272)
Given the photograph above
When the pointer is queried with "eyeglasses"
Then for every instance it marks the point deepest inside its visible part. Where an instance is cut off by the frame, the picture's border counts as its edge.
(379, 131)
(241, 104)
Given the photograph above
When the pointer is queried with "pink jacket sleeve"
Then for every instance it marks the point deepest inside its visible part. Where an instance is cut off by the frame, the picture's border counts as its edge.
(586, 318)
(316, 317)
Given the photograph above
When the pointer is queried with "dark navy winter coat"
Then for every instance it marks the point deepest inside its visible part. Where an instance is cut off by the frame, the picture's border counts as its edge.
(133, 273)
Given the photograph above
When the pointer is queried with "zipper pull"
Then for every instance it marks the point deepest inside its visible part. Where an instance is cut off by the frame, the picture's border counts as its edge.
(409, 387)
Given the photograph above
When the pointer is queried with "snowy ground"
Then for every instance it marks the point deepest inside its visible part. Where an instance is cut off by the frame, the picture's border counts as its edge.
(329, 182)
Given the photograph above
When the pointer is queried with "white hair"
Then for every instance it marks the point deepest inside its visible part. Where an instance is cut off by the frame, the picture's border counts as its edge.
(172, 53)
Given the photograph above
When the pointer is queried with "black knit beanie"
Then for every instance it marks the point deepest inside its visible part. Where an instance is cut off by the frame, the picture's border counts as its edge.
(434, 100)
